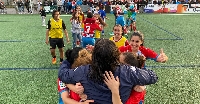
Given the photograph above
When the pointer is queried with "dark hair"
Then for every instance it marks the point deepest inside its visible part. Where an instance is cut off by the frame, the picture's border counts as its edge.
(105, 57)
(89, 15)
(74, 17)
(72, 54)
(118, 25)
(133, 59)
(102, 7)
(140, 35)
(54, 11)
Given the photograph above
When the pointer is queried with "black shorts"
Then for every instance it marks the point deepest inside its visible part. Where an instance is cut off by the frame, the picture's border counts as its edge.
(56, 42)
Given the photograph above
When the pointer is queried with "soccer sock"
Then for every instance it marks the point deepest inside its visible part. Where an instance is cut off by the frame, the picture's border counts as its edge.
(131, 27)
(61, 59)
(103, 32)
(54, 56)
(78, 42)
(134, 28)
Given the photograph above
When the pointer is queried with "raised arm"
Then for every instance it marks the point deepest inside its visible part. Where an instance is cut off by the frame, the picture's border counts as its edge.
(148, 53)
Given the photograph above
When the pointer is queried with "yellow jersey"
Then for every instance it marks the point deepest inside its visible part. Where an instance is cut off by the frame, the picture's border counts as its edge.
(56, 29)
(97, 34)
(81, 18)
(121, 42)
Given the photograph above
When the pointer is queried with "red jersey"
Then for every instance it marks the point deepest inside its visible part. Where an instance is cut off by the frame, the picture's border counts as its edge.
(136, 97)
(148, 53)
(74, 96)
(119, 10)
(90, 26)
(63, 88)
(73, 3)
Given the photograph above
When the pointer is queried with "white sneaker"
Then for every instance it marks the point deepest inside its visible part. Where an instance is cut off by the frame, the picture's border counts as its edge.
(43, 25)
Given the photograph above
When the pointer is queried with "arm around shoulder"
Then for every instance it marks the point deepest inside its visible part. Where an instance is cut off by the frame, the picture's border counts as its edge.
(142, 76)
(70, 76)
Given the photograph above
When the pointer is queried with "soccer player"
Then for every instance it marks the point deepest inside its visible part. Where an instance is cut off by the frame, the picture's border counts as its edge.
(133, 18)
(105, 57)
(43, 15)
(121, 21)
(102, 13)
(54, 35)
(101, 23)
(90, 26)
(118, 38)
(70, 94)
(136, 46)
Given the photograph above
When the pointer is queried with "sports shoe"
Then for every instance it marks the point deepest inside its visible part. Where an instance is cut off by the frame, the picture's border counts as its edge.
(54, 61)
(111, 33)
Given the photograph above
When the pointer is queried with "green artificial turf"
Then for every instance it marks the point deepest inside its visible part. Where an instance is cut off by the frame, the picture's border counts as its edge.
(22, 41)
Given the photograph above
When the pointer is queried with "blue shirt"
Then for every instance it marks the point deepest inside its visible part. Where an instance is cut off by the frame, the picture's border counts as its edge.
(132, 7)
(102, 13)
(120, 20)
(79, 2)
(129, 77)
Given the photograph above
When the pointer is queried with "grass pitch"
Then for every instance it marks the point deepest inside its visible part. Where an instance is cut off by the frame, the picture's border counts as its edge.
(28, 77)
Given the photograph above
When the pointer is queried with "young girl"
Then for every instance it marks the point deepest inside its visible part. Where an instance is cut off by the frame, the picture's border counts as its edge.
(138, 92)
(102, 14)
(43, 15)
(96, 10)
(121, 21)
(89, 27)
(81, 19)
(76, 57)
(101, 23)
(118, 38)
(81, 16)
(137, 46)
(133, 17)
(76, 29)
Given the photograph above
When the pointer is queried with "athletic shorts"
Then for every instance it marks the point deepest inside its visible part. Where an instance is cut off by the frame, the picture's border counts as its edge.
(56, 42)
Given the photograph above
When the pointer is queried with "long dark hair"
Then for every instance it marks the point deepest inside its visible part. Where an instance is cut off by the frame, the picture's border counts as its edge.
(74, 17)
(72, 54)
(105, 57)
(140, 35)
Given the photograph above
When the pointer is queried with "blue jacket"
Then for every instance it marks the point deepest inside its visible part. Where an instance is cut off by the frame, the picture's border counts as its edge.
(129, 77)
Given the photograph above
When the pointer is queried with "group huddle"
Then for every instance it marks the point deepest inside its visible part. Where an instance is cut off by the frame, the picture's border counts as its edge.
(100, 71)
(89, 75)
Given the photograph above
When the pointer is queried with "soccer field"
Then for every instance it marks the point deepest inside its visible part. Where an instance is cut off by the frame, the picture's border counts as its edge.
(28, 77)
